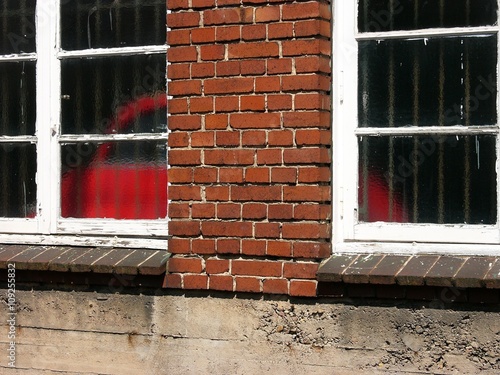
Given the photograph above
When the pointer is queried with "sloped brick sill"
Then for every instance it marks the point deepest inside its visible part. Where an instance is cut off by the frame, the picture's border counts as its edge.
(412, 270)
(74, 264)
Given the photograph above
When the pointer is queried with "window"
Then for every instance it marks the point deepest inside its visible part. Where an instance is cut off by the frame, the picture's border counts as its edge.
(83, 121)
(417, 101)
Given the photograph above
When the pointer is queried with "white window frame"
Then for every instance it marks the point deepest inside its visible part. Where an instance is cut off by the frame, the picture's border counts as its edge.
(349, 235)
(48, 227)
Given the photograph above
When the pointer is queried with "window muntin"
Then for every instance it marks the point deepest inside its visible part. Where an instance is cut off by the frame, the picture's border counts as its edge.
(56, 102)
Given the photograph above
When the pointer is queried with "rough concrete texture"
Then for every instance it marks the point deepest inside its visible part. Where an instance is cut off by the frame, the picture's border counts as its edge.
(81, 332)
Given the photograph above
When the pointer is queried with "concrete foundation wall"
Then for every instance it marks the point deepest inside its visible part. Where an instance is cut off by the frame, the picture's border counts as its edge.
(96, 332)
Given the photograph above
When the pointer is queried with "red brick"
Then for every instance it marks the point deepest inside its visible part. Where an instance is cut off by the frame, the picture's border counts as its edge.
(184, 193)
(253, 32)
(182, 88)
(173, 281)
(306, 194)
(257, 175)
(217, 193)
(312, 212)
(204, 175)
(229, 157)
(275, 286)
(279, 249)
(228, 211)
(255, 193)
(255, 120)
(221, 282)
(279, 66)
(216, 122)
(280, 30)
(306, 156)
(203, 3)
(306, 119)
(267, 84)
(179, 245)
(180, 175)
(203, 70)
(183, 19)
(253, 103)
(312, 101)
(267, 230)
(182, 54)
(255, 211)
(177, 106)
(203, 35)
(284, 175)
(226, 229)
(203, 210)
(299, 288)
(178, 4)
(195, 281)
(184, 157)
(184, 228)
(178, 210)
(253, 67)
(203, 246)
(229, 85)
(280, 212)
(248, 284)
(214, 265)
(228, 68)
(178, 37)
(202, 139)
(312, 28)
(300, 270)
(193, 265)
(312, 64)
(230, 175)
(306, 82)
(227, 104)
(280, 138)
(226, 16)
(178, 139)
(255, 49)
(184, 122)
(229, 33)
(312, 250)
(228, 246)
(253, 247)
(201, 105)
(212, 52)
(266, 14)
(312, 9)
(178, 71)
(314, 174)
(256, 268)
(253, 138)
(305, 230)
(269, 157)
(312, 137)
(227, 138)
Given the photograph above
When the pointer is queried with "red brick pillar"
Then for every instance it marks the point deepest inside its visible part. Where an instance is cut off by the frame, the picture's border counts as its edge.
(249, 148)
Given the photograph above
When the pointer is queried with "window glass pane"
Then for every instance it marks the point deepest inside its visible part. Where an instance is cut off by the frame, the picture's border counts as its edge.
(17, 180)
(112, 23)
(428, 179)
(18, 99)
(120, 180)
(17, 26)
(389, 15)
(123, 94)
(428, 82)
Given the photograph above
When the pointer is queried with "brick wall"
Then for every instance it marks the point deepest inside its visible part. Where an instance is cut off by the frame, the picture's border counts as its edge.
(249, 148)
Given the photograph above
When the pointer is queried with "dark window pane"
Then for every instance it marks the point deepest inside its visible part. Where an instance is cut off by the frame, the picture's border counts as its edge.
(119, 180)
(389, 15)
(114, 95)
(17, 180)
(17, 26)
(112, 23)
(428, 179)
(18, 99)
(428, 82)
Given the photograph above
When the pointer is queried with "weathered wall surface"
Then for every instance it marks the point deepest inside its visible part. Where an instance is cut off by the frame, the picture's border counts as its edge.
(101, 333)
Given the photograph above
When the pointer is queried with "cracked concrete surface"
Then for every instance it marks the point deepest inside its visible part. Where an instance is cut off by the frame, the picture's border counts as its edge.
(81, 332)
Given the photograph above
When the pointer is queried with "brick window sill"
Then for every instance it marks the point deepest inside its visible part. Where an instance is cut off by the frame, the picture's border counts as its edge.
(399, 273)
(84, 265)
